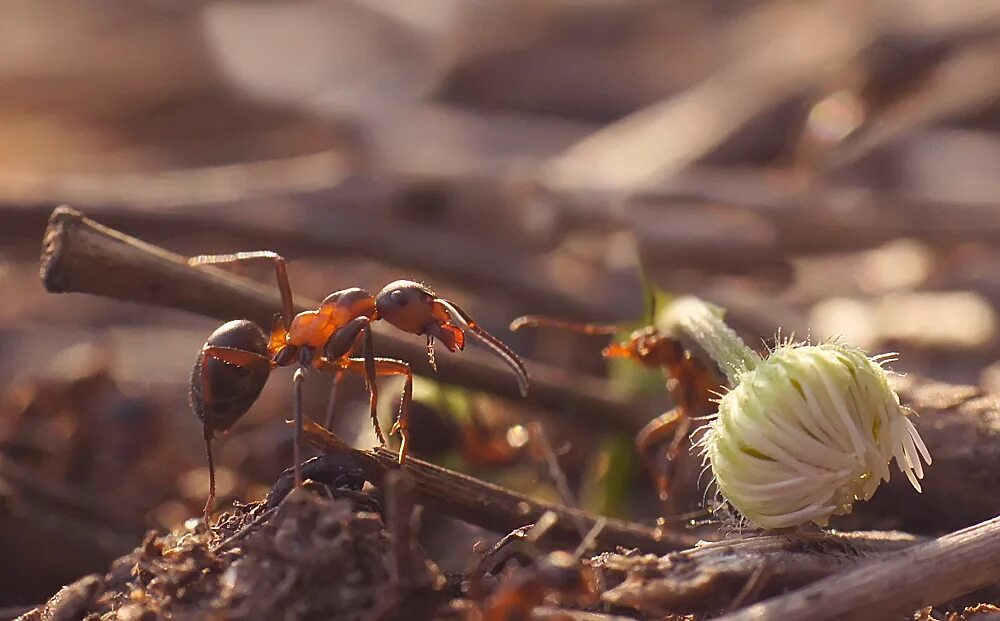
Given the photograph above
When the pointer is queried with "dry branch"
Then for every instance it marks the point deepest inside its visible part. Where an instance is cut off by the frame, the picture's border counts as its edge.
(713, 576)
(353, 230)
(82, 256)
(493, 507)
(924, 575)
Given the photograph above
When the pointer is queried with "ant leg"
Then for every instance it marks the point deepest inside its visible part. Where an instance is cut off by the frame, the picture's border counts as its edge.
(280, 273)
(297, 379)
(331, 403)
(209, 431)
(210, 501)
(340, 345)
(402, 423)
(389, 367)
(237, 357)
(673, 424)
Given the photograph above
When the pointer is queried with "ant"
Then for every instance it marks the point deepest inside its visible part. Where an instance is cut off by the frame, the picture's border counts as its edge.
(236, 360)
(555, 573)
(692, 383)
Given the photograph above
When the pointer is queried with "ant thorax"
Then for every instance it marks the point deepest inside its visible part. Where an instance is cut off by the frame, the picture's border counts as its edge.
(311, 329)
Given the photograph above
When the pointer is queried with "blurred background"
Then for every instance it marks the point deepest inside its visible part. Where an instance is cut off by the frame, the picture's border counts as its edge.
(830, 167)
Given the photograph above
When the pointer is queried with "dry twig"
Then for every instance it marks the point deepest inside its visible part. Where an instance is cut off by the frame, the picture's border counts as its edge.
(707, 577)
(82, 256)
(494, 507)
(924, 575)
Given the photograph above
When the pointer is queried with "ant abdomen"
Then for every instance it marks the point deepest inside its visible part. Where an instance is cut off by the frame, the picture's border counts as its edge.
(232, 388)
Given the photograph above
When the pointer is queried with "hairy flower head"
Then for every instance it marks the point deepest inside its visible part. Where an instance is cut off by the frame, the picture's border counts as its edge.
(804, 433)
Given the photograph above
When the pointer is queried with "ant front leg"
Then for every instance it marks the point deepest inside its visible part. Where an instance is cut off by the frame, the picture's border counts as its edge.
(339, 347)
(388, 367)
(673, 424)
(280, 273)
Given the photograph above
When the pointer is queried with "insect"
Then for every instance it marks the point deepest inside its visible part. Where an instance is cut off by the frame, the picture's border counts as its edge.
(236, 360)
(539, 575)
(554, 573)
(692, 383)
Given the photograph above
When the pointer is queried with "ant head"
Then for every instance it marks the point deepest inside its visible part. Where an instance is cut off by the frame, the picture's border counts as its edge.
(347, 304)
(649, 346)
(413, 308)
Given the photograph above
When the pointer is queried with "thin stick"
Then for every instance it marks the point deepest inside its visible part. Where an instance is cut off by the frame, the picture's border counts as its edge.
(80, 255)
(590, 538)
(399, 509)
(494, 507)
(924, 575)
(752, 587)
(537, 433)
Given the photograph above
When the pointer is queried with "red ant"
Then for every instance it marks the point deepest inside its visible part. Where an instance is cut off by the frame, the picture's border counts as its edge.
(554, 573)
(236, 360)
(692, 384)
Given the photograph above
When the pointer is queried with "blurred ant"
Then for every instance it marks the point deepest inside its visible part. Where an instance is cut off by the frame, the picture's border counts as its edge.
(236, 360)
(692, 383)
(556, 573)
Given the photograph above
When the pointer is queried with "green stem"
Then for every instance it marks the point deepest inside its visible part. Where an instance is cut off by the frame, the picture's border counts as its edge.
(703, 322)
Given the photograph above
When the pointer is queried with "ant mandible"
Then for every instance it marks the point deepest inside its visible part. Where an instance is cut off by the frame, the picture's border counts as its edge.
(692, 383)
(236, 360)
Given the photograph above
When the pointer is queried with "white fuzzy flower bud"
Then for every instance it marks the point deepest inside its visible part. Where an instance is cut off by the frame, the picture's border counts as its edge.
(804, 433)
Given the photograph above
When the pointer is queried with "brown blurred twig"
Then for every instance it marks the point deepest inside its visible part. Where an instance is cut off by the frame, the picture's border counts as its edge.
(494, 507)
(80, 255)
(784, 50)
(298, 227)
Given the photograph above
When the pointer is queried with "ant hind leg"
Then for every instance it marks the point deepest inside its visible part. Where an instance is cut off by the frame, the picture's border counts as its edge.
(280, 273)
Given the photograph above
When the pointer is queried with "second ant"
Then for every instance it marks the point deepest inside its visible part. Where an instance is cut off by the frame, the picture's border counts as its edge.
(692, 382)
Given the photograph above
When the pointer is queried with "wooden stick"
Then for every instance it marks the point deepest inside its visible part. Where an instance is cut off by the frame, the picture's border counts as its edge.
(338, 232)
(924, 575)
(80, 255)
(494, 507)
(705, 579)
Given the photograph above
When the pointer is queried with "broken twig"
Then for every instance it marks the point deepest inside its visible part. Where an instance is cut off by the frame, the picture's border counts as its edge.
(923, 575)
(494, 507)
(80, 255)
